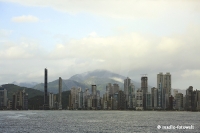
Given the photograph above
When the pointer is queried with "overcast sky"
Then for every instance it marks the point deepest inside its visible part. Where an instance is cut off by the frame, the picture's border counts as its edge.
(126, 37)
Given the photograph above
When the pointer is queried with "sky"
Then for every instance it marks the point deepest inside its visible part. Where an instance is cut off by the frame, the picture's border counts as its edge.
(125, 37)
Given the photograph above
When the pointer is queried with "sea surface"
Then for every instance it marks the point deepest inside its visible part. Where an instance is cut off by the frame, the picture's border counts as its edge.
(66, 121)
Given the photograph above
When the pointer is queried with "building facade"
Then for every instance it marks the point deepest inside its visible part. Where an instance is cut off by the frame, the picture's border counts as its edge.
(3, 98)
(60, 93)
(144, 88)
(127, 83)
(45, 106)
(139, 98)
(179, 101)
(164, 89)
(148, 101)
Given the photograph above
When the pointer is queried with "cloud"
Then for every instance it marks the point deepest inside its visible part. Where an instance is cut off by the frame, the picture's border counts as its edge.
(5, 33)
(93, 34)
(134, 51)
(23, 50)
(23, 19)
(191, 73)
(116, 9)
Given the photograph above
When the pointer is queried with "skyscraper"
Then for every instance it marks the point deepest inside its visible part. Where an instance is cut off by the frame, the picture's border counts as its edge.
(121, 100)
(80, 98)
(164, 89)
(131, 96)
(144, 88)
(127, 83)
(51, 100)
(115, 88)
(94, 90)
(139, 98)
(153, 97)
(60, 94)
(179, 101)
(148, 100)
(45, 89)
(20, 100)
(74, 98)
(144, 84)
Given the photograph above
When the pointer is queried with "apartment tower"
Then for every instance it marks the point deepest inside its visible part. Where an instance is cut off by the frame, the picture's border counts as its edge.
(60, 94)
(144, 88)
(45, 88)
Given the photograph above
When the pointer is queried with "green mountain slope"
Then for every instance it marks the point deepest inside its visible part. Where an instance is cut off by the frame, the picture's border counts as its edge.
(11, 88)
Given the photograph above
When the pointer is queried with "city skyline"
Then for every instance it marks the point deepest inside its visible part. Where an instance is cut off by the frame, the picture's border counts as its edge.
(113, 99)
(128, 38)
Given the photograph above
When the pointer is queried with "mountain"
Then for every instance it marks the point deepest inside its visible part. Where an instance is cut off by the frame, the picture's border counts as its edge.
(101, 78)
(11, 88)
(25, 84)
(98, 77)
(66, 85)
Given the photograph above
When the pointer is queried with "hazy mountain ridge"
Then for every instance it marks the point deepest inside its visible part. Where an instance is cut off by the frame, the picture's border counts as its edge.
(101, 78)
(66, 85)
(25, 84)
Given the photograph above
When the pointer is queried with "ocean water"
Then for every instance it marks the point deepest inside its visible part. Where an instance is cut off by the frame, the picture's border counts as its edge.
(66, 121)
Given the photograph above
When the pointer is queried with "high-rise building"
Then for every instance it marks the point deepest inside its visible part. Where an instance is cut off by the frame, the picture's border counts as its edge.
(86, 95)
(153, 98)
(127, 83)
(164, 89)
(74, 98)
(45, 89)
(94, 97)
(121, 100)
(25, 106)
(89, 103)
(109, 88)
(115, 88)
(60, 94)
(98, 100)
(175, 92)
(139, 99)
(94, 90)
(171, 102)
(148, 100)
(189, 98)
(198, 100)
(80, 99)
(179, 101)
(51, 100)
(131, 96)
(20, 100)
(160, 97)
(115, 101)
(195, 100)
(192, 99)
(9, 105)
(144, 88)
(3, 98)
